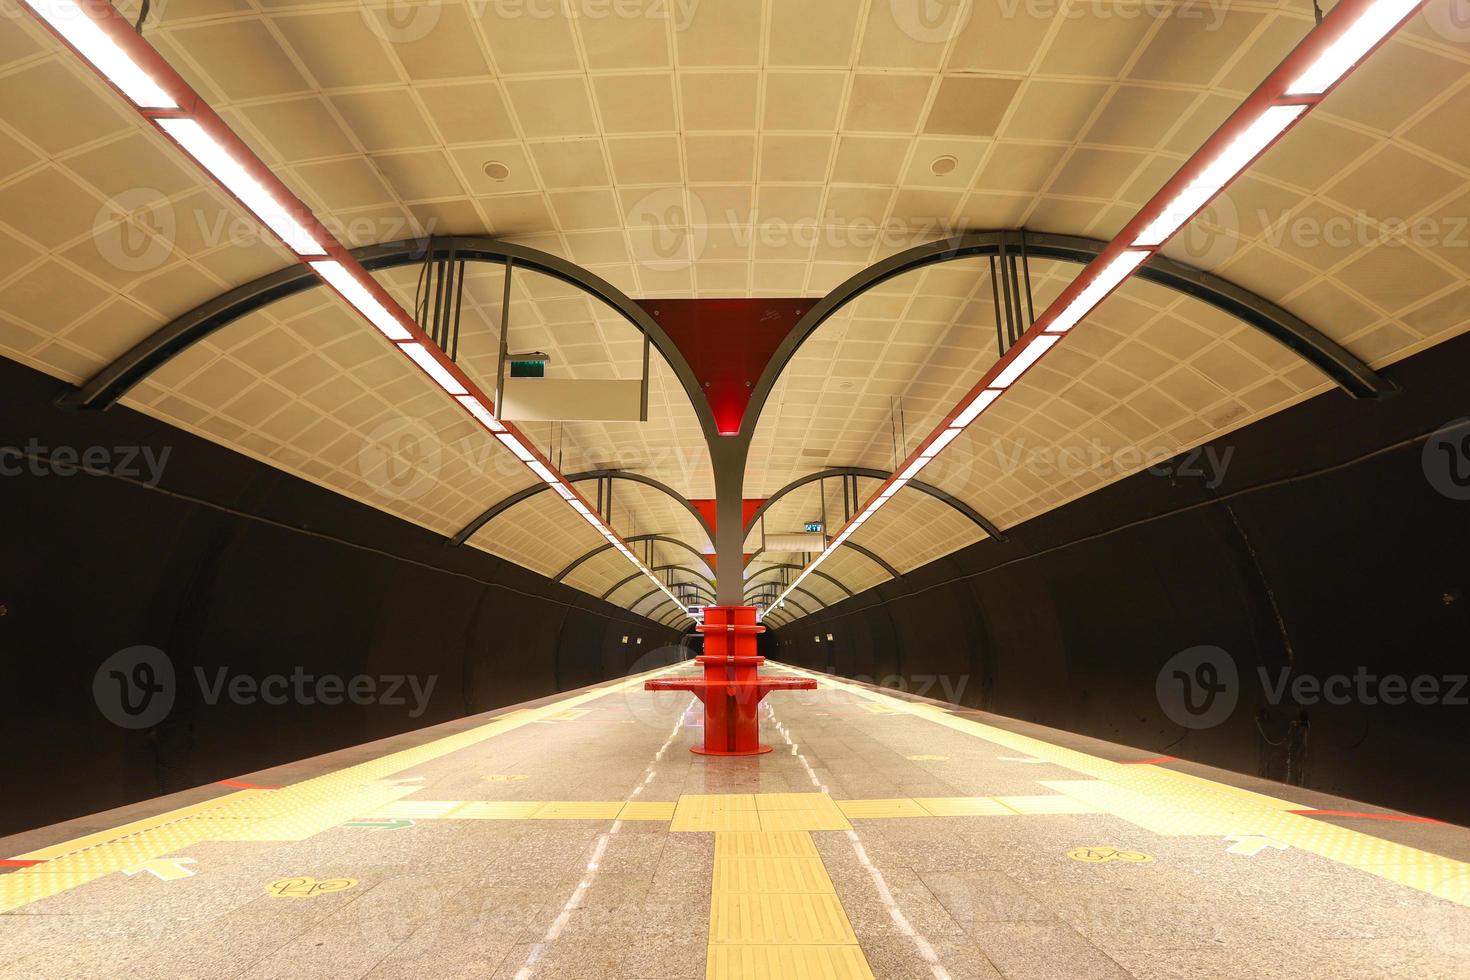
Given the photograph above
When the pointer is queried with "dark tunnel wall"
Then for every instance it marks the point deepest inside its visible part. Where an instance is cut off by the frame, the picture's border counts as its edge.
(233, 564)
(1337, 544)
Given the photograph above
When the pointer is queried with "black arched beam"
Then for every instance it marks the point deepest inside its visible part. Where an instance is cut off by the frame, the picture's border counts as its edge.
(650, 593)
(788, 599)
(892, 572)
(816, 571)
(1309, 343)
(506, 503)
(969, 512)
(664, 568)
(809, 594)
(666, 539)
(148, 355)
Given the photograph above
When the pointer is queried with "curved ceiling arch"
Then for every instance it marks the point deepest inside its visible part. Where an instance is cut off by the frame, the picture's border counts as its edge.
(114, 381)
(797, 568)
(506, 503)
(1344, 368)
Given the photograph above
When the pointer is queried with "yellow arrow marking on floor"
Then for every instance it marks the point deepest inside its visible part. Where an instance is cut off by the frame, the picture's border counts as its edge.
(1248, 844)
(164, 869)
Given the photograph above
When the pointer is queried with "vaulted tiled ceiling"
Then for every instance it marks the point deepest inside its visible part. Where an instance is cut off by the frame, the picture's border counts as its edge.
(725, 148)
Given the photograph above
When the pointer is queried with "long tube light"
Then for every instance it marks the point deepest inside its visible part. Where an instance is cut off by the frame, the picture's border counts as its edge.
(87, 37)
(223, 167)
(101, 37)
(1344, 38)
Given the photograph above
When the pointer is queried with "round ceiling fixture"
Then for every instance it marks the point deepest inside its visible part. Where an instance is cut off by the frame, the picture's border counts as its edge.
(496, 170)
(943, 165)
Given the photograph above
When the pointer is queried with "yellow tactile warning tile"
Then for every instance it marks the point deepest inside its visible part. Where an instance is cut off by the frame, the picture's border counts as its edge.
(810, 818)
(290, 813)
(799, 811)
(784, 962)
(1174, 803)
(771, 875)
(878, 709)
(702, 813)
(963, 806)
(739, 919)
(494, 810)
(577, 811)
(569, 715)
(773, 909)
(793, 844)
(1058, 804)
(881, 809)
(415, 809)
(647, 811)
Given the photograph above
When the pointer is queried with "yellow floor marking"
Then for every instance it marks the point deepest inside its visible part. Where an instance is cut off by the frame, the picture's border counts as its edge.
(493, 810)
(415, 810)
(815, 818)
(785, 962)
(577, 811)
(291, 813)
(647, 811)
(768, 874)
(701, 813)
(1101, 855)
(569, 715)
(761, 845)
(790, 801)
(963, 806)
(878, 709)
(880, 809)
(1046, 804)
(1174, 803)
(164, 869)
(308, 887)
(774, 912)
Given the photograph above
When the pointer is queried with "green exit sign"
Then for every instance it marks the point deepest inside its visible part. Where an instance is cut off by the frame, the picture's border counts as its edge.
(814, 527)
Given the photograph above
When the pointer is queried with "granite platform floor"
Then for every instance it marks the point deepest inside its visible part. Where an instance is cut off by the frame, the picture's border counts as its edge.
(884, 836)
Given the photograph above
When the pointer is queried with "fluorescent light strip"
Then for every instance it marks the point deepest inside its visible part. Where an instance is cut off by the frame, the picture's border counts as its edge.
(228, 171)
(440, 375)
(112, 63)
(1370, 28)
(514, 445)
(943, 439)
(914, 468)
(357, 296)
(1097, 290)
(1221, 171)
(1029, 355)
(482, 414)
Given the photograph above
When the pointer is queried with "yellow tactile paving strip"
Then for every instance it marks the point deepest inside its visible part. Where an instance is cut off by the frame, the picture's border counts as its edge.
(291, 813)
(1174, 803)
(773, 909)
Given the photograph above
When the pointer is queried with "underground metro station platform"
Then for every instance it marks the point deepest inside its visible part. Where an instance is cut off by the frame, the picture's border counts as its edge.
(735, 489)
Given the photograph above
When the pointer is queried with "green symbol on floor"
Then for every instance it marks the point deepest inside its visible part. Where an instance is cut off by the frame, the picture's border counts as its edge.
(397, 824)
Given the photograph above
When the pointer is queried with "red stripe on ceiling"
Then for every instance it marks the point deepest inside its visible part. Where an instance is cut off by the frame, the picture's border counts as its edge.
(728, 343)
